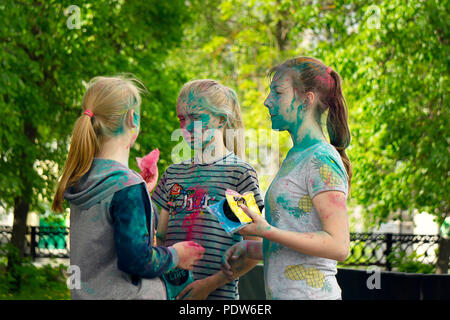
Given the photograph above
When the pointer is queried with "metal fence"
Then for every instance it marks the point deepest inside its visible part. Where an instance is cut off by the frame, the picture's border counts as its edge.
(385, 249)
(42, 242)
(366, 249)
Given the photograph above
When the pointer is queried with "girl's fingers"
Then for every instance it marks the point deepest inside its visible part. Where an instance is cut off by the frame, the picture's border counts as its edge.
(226, 269)
(184, 293)
(228, 274)
(225, 263)
(249, 212)
(226, 257)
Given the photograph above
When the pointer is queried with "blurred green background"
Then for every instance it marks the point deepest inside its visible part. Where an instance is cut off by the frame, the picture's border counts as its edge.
(393, 57)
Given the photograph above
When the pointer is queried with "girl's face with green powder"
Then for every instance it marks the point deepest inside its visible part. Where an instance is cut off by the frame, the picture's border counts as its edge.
(284, 104)
(197, 123)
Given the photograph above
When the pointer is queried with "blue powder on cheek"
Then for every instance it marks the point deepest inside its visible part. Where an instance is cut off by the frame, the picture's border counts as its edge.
(292, 104)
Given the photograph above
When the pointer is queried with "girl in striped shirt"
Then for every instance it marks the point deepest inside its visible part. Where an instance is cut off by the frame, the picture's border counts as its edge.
(211, 121)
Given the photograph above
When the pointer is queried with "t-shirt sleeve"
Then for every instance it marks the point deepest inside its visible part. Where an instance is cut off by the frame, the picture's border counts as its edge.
(325, 173)
(160, 195)
(131, 212)
(249, 182)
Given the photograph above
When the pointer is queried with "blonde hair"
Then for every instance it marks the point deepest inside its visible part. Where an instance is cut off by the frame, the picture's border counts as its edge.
(221, 101)
(110, 99)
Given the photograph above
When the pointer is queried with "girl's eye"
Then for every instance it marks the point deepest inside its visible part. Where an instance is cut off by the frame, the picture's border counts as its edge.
(276, 92)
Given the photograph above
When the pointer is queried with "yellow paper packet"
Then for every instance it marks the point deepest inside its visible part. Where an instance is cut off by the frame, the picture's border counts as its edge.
(235, 199)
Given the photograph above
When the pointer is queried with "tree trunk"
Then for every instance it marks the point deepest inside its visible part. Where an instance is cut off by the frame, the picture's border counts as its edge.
(443, 256)
(22, 201)
(21, 208)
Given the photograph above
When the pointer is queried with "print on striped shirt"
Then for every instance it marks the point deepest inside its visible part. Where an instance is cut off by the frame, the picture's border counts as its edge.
(185, 190)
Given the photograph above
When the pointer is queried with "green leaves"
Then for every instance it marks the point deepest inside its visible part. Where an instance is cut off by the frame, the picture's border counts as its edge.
(45, 64)
(393, 57)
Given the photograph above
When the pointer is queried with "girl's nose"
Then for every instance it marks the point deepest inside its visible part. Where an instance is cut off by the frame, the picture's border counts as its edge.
(268, 102)
(189, 126)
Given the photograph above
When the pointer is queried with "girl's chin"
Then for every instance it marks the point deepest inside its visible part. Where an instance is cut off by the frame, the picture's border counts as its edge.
(196, 144)
(277, 127)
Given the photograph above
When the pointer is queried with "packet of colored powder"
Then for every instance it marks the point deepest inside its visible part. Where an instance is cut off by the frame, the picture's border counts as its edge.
(231, 216)
(176, 280)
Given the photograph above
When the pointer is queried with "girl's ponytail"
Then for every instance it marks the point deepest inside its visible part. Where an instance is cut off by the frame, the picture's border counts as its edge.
(106, 104)
(337, 123)
(82, 150)
(234, 130)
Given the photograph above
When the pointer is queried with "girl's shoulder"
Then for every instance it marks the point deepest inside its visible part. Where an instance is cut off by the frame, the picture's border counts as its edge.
(105, 169)
(325, 155)
(234, 162)
(229, 161)
(186, 164)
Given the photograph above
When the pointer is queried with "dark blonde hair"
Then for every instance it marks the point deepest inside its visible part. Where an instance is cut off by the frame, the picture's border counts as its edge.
(110, 99)
(220, 101)
(310, 74)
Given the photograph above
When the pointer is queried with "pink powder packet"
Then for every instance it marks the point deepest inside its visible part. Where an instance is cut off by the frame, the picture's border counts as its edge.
(147, 165)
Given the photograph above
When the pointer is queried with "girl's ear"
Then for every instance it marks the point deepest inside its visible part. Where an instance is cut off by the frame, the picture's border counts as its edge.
(309, 99)
(132, 119)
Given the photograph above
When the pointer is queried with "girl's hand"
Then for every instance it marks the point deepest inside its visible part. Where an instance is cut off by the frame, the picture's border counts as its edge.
(234, 259)
(197, 290)
(258, 227)
(152, 181)
(189, 253)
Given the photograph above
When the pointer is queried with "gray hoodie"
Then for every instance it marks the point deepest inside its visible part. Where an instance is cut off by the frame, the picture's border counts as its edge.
(92, 246)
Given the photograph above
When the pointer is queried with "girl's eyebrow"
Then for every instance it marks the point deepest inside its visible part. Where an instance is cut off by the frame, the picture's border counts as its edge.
(278, 86)
(187, 114)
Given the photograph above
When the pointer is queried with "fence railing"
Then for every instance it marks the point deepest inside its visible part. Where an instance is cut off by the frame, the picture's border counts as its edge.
(385, 249)
(366, 249)
(42, 242)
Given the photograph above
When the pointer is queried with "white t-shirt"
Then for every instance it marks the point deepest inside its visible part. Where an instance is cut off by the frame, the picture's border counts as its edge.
(303, 174)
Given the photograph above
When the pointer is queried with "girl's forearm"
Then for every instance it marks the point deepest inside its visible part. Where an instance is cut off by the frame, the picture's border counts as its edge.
(254, 249)
(162, 227)
(160, 239)
(319, 244)
(219, 279)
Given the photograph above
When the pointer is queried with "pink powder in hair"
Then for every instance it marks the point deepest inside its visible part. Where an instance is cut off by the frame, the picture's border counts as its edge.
(326, 81)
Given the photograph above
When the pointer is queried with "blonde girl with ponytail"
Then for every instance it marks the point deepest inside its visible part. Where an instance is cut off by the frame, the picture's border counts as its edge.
(211, 122)
(306, 230)
(111, 218)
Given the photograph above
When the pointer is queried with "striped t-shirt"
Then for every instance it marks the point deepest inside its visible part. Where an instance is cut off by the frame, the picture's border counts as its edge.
(185, 190)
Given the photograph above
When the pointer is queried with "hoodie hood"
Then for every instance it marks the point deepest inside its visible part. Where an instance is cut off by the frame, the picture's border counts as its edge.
(103, 179)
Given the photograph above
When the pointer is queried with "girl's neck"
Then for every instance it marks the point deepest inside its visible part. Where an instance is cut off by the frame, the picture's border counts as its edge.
(308, 134)
(213, 151)
(115, 149)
